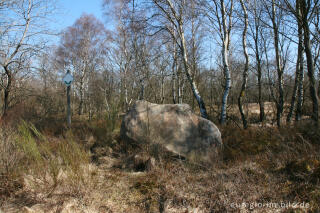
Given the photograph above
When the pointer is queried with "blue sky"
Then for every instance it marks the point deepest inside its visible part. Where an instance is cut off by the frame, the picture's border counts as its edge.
(70, 10)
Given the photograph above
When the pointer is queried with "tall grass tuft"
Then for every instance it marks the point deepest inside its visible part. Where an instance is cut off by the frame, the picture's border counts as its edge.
(10, 158)
(51, 161)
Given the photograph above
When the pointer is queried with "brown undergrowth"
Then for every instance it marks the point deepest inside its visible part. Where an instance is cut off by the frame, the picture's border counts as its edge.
(261, 169)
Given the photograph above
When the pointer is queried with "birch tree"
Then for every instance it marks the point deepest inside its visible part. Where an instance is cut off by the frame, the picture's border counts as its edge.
(306, 11)
(177, 78)
(275, 15)
(304, 15)
(255, 26)
(174, 71)
(173, 12)
(226, 30)
(298, 84)
(122, 54)
(122, 58)
(82, 49)
(220, 14)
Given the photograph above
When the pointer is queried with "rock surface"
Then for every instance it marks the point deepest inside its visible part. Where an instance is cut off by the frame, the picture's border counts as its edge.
(173, 125)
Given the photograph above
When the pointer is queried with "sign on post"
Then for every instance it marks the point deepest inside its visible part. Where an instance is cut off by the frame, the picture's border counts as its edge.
(67, 79)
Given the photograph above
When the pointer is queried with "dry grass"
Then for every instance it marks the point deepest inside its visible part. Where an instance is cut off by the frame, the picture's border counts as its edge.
(40, 166)
(257, 166)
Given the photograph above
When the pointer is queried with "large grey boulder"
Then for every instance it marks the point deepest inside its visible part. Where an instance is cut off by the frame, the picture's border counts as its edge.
(174, 126)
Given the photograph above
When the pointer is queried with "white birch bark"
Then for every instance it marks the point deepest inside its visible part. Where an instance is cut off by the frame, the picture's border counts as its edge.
(225, 53)
(176, 19)
(194, 87)
(174, 73)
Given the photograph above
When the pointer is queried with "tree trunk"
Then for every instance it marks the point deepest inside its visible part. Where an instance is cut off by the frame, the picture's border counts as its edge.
(6, 99)
(299, 69)
(258, 63)
(125, 91)
(80, 111)
(141, 96)
(259, 69)
(295, 88)
(256, 39)
(307, 46)
(174, 88)
(106, 101)
(179, 86)
(300, 91)
(226, 88)
(226, 71)
(162, 87)
(260, 101)
(318, 83)
(194, 87)
(279, 65)
(176, 17)
(312, 83)
(68, 106)
(174, 74)
(246, 67)
(7, 91)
